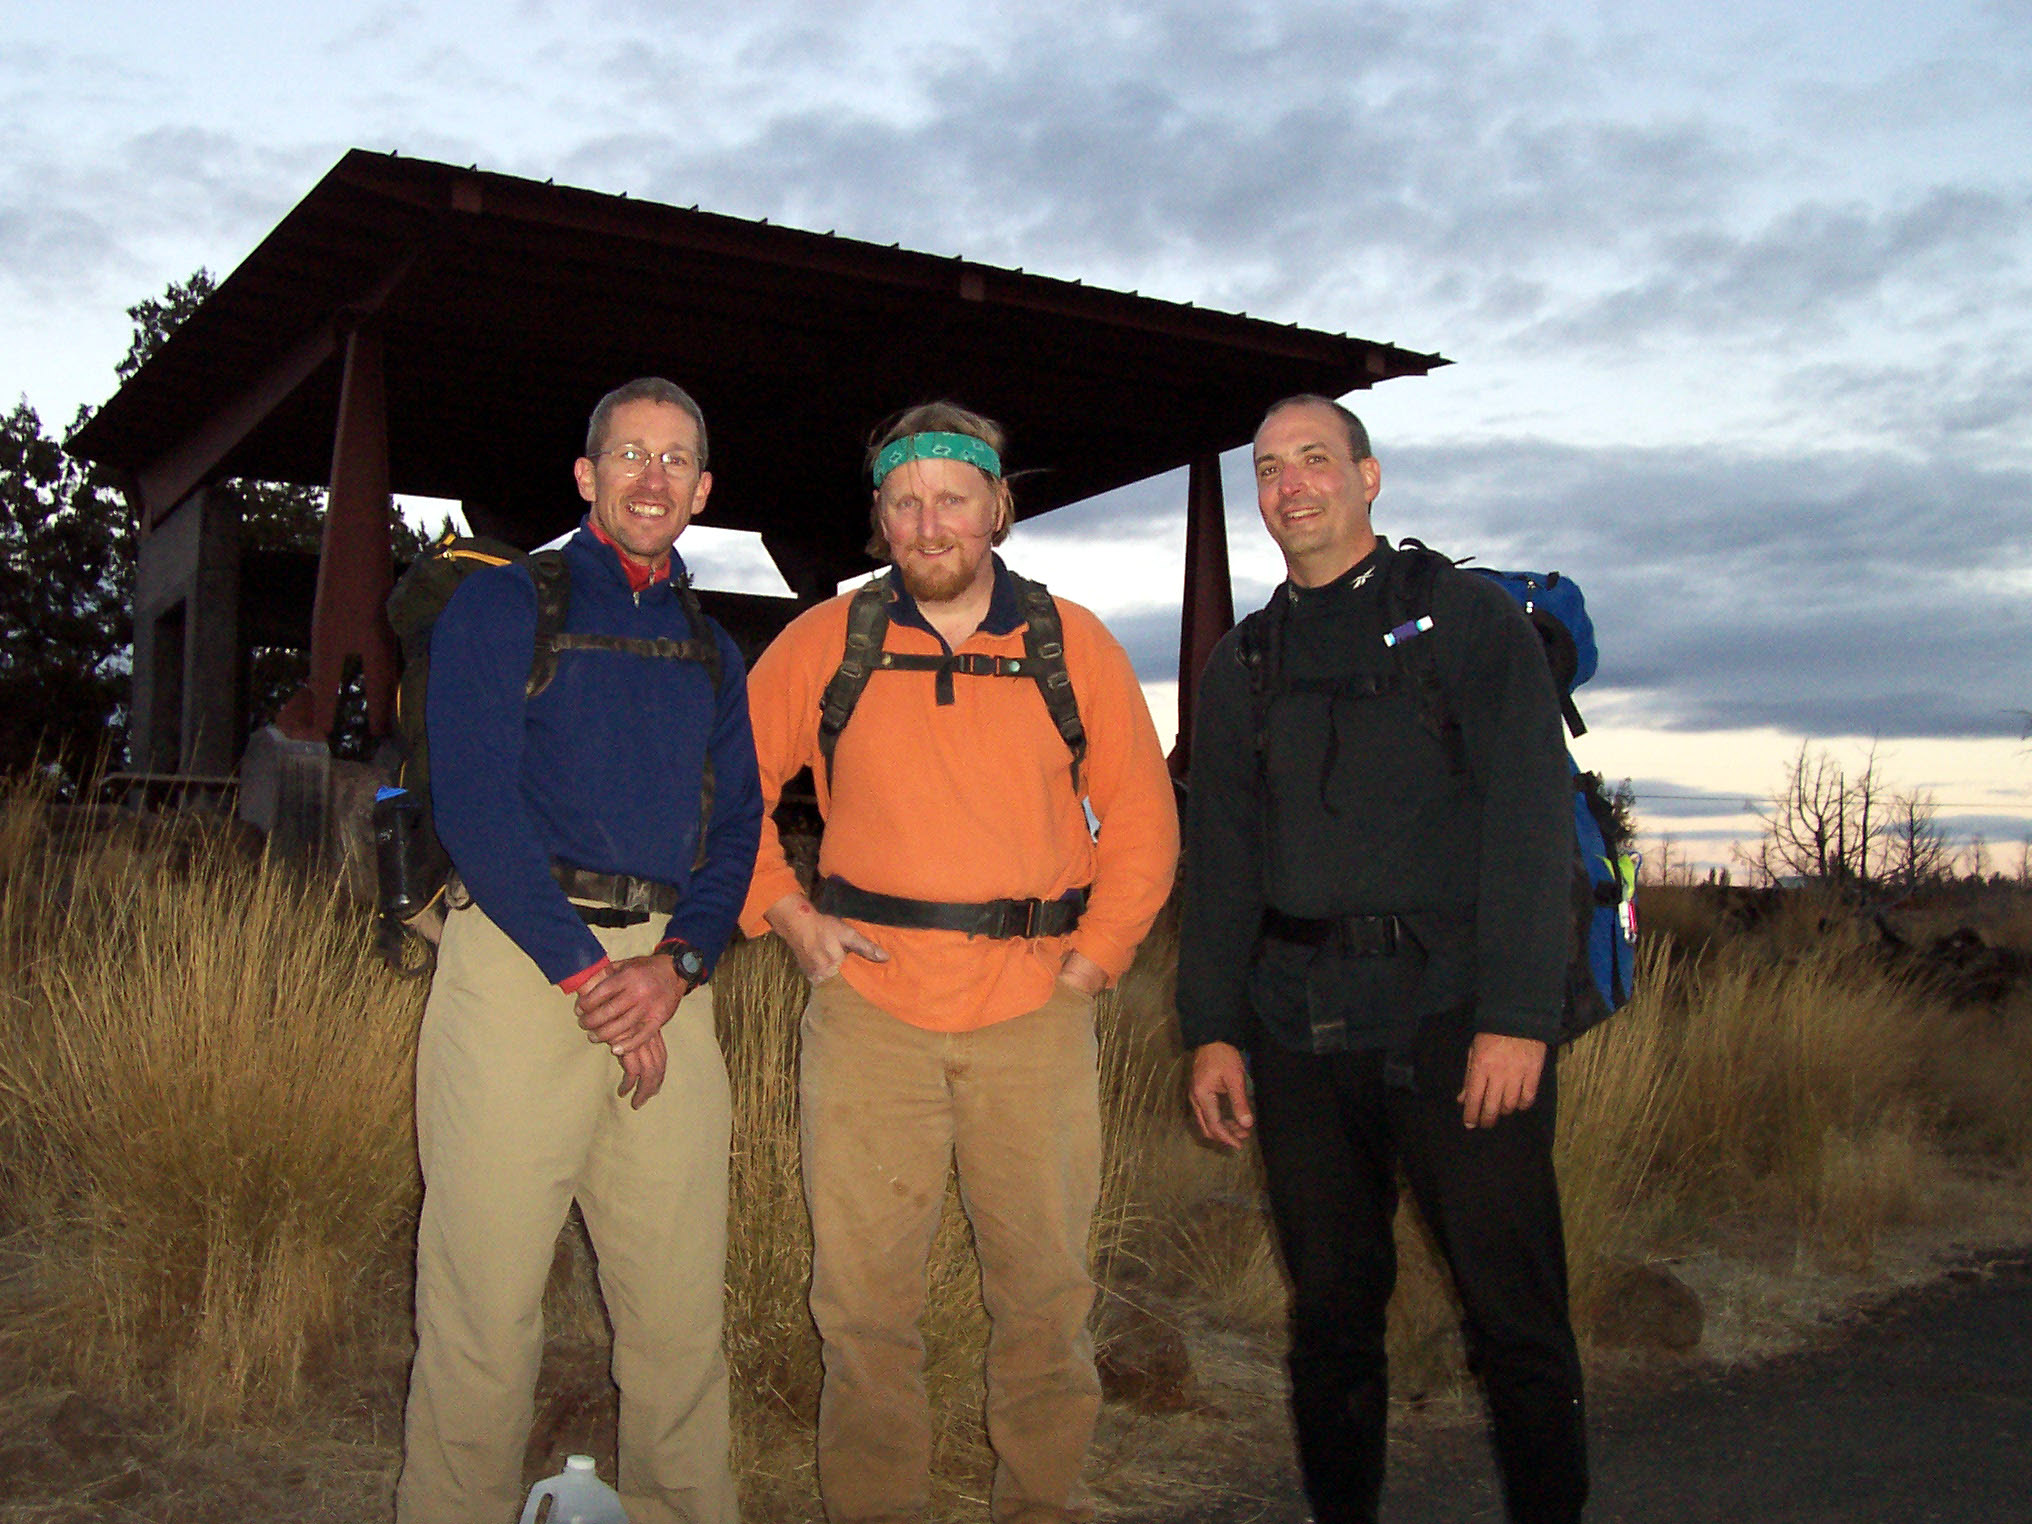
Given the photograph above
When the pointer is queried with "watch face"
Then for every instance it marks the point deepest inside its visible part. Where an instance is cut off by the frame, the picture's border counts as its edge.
(690, 964)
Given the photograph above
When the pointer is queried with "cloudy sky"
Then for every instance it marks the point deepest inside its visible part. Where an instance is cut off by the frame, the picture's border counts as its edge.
(1739, 296)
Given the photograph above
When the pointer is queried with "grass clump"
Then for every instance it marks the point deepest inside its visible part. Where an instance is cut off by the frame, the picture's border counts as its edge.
(205, 1092)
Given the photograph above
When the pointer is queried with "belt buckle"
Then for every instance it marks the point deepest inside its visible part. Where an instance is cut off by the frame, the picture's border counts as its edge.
(1030, 913)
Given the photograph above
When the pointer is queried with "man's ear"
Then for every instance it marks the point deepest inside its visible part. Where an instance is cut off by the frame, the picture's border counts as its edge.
(582, 473)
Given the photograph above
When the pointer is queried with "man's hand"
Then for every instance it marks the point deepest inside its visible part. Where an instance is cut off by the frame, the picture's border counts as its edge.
(642, 1070)
(820, 942)
(1217, 1075)
(1082, 973)
(1502, 1077)
(628, 1004)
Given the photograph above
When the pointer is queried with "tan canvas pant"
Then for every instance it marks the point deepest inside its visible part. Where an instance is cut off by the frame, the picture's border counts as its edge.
(887, 1109)
(515, 1116)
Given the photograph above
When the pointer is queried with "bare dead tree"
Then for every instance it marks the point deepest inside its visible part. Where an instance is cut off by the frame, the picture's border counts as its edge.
(1827, 824)
(1664, 861)
(1916, 849)
(1804, 827)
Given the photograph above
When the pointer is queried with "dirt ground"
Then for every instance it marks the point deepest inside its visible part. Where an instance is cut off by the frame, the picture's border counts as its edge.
(1839, 1376)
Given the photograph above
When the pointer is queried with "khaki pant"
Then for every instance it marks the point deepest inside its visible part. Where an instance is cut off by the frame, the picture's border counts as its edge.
(887, 1108)
(516, 1116)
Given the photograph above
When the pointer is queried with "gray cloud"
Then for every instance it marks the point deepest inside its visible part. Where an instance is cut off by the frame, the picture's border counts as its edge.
(1799, 275)
(1830, 595)
(1150, 636)
(1352, 166)
(376, 26)
(73, 226)
(1450, 177)
(1823, 594)
(1954, 397)
(2003, 836)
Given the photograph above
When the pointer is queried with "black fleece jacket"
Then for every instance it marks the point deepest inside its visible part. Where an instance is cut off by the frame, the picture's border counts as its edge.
(1356, 808)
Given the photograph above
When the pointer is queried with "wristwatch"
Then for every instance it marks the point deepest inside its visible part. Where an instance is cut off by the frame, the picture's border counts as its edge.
(691, 964)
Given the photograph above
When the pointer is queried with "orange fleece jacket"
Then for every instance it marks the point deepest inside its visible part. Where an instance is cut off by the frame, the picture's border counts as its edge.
(971, 801)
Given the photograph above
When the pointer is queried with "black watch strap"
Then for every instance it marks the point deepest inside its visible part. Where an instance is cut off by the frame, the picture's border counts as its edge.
(691, 963)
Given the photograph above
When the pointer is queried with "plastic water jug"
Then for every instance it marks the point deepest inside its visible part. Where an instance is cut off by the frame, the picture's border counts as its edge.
(577, 1496)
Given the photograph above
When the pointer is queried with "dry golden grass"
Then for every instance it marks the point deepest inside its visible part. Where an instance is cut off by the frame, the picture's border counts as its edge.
(207, 1174)
(205, 1077)
(1782, 1070)
(1615, 1085)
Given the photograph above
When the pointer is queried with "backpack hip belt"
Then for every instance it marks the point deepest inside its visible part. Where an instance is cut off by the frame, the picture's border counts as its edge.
(619, 899)
(1000, 919)
(614, 894)
(1355, 936)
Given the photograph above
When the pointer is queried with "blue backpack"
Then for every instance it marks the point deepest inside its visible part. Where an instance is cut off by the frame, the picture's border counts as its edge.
(1602, 975)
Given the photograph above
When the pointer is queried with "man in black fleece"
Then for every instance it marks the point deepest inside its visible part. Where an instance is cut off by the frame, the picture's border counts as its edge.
(1376, 913)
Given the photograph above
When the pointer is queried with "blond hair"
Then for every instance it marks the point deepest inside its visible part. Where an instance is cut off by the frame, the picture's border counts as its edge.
(940, 418)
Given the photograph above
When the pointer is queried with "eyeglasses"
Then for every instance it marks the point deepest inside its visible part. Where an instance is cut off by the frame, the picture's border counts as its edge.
(633, 460)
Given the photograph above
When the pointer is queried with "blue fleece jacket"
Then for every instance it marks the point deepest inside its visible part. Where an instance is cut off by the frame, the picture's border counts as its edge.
(601, 769)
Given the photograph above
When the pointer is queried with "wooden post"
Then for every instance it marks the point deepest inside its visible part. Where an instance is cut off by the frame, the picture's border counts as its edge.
(1209, 611)
(356, 564)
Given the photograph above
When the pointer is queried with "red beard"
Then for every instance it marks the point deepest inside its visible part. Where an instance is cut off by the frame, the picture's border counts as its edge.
(939, 581)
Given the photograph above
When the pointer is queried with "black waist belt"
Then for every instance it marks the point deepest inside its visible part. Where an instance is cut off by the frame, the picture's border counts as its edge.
(1358, 936)
(983, 918)
(621, 899)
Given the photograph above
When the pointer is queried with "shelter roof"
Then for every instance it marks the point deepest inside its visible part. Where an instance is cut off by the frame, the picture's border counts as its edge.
(508, 306)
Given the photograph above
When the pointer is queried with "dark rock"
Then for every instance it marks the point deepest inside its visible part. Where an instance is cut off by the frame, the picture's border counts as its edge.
(1640, 1305)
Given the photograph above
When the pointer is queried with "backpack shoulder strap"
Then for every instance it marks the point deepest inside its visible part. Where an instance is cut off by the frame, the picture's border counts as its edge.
(547, 569)
(707, 648)
(1259, 647)
(1044, 649)
(1407, 603)
(867, 626)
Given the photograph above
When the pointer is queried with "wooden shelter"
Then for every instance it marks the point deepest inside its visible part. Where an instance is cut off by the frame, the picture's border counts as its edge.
(419, 328)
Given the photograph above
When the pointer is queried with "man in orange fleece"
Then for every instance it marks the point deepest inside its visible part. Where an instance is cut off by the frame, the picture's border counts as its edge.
(966, 917)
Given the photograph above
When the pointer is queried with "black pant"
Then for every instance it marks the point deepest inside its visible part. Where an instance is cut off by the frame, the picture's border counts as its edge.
(1334, 1129)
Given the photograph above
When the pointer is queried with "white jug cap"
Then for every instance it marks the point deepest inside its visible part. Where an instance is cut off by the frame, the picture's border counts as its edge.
(578, 1463)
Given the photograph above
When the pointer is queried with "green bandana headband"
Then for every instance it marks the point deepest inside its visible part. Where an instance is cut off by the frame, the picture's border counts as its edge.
(975, 452)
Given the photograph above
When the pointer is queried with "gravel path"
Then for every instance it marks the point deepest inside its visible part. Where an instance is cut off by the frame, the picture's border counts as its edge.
(1918, 1413)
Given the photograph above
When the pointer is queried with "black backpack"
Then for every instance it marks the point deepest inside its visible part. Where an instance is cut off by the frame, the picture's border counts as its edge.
(1601, 972)
(411, 865)
(1042, 661)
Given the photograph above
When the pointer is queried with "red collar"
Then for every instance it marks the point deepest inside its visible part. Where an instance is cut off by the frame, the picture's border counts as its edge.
(639, 576)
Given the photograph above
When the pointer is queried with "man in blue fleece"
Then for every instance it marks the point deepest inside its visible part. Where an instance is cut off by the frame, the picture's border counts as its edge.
(568, 1049)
